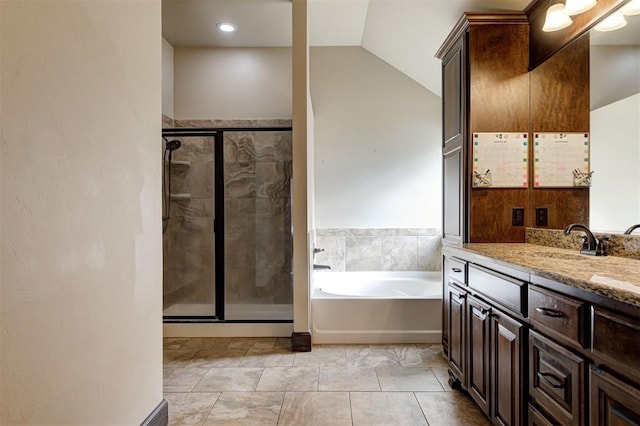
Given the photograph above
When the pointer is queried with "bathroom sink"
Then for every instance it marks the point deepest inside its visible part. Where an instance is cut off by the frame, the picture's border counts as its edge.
(565, 256)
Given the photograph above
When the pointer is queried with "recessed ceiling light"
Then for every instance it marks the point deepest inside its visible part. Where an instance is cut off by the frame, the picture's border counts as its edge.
(226, 27)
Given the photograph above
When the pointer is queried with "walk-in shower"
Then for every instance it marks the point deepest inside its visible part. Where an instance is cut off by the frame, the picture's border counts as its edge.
(227, 245)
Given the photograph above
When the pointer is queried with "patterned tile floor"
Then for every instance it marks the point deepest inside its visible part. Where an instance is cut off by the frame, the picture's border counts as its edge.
(259, 381)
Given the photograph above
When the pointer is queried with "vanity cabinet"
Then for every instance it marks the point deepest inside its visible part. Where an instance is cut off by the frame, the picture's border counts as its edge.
(485, 342)
(533, 351)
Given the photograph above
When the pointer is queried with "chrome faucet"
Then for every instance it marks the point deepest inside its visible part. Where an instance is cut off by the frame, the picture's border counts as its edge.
(590, 244)
(631, 229)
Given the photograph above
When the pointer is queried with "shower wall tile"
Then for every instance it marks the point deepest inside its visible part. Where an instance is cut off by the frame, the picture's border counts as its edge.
(357, 249)
(273, 146)
(200, 180)
(200, 207)
(429, 253)
(363, 254)
(276, 122)
(239, 147)
(399, 253)
(273, 179)
(167, 121)
(239, 180)
(193, 149)
(334, 253)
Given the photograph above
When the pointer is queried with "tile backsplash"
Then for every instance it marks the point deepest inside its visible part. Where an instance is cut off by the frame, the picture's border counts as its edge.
(378, 249)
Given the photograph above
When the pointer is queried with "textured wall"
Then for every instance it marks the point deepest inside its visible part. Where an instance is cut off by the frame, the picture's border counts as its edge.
(80, 250)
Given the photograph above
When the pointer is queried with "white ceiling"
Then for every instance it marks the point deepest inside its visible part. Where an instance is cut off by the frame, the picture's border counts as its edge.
(404, 33)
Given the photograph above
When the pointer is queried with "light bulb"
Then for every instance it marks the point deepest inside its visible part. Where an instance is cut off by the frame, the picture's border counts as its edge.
(226, 27)
(556, 18)
(613, 22)
(631, 8)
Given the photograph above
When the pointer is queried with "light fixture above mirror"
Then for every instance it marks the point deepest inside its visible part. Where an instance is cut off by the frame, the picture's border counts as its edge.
(613, 22)
(556, 18)
(576, 7)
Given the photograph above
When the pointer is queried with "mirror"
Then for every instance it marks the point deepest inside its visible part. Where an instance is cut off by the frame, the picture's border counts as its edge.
(615, 127)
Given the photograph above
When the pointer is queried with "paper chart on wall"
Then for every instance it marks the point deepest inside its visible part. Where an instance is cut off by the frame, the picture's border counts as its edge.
(561, 160)
(500, 160)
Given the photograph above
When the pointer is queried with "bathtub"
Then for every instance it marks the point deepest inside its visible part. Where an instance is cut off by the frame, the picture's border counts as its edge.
(376, 307)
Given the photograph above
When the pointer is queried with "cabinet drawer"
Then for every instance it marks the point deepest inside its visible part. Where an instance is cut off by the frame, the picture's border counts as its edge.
(615, 340)
(456, 270)
(556, 380)
(508, 292)
(561, 316)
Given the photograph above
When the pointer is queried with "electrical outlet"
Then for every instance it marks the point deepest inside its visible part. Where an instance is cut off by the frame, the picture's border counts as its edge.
(517, 216)
(541, 216)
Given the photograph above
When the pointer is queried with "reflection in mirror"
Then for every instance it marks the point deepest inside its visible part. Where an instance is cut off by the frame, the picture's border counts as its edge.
(615, 127)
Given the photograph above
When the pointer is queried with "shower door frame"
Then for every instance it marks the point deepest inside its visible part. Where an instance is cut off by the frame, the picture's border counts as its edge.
(218, 221)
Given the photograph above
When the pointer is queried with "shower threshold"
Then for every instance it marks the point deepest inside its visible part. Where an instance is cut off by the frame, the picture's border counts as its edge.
(233, 312)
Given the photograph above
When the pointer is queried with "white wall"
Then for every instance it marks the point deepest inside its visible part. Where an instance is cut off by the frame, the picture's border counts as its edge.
(615, 158)
(377, 144)
(80, 245)
(232, 83)
(167, 78)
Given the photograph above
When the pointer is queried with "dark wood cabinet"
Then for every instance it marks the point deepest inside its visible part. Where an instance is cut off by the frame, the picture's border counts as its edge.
(613, 402)
(556, 380)
(478, 324)
(484, 63)
(454, 272)
(506, 365)
(457, 340)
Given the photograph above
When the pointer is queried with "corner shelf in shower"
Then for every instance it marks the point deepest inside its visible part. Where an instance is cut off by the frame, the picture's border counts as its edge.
(181, 196)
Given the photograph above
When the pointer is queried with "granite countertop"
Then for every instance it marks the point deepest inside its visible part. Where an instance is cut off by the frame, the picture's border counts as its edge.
(610, 276)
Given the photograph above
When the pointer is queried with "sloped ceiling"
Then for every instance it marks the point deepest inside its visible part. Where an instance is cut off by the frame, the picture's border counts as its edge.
(403, 33)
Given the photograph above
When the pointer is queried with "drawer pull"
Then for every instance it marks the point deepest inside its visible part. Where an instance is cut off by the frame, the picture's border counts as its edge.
(482, 315)
(457, 270)
(548, 312)
(553, 380)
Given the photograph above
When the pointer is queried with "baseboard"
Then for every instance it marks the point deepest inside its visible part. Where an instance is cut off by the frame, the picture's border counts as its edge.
(360, 337)
(159, 416)
(301, 342)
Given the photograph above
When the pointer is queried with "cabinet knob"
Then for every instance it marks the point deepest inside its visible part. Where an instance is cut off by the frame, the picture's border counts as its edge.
(462, 295)
(458, 270)
(548, 312)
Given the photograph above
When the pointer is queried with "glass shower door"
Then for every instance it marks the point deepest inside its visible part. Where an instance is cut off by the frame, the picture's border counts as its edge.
(188, 242)
(257, 235)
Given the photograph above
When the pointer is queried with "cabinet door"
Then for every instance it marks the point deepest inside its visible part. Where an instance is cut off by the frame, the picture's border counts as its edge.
(612, 402)
(457, 342)
(478, 326)
(445, 307)
(507, 337)
(452, 165)
(452, 94)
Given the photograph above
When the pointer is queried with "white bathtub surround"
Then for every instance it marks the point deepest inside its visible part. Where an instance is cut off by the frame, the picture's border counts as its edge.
(361, 249)
(376, 307)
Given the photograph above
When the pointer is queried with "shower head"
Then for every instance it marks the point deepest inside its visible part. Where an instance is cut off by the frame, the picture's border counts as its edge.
(173, 145)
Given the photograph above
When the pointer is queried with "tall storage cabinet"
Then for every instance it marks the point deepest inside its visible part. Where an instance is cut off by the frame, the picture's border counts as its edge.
(485, 88)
